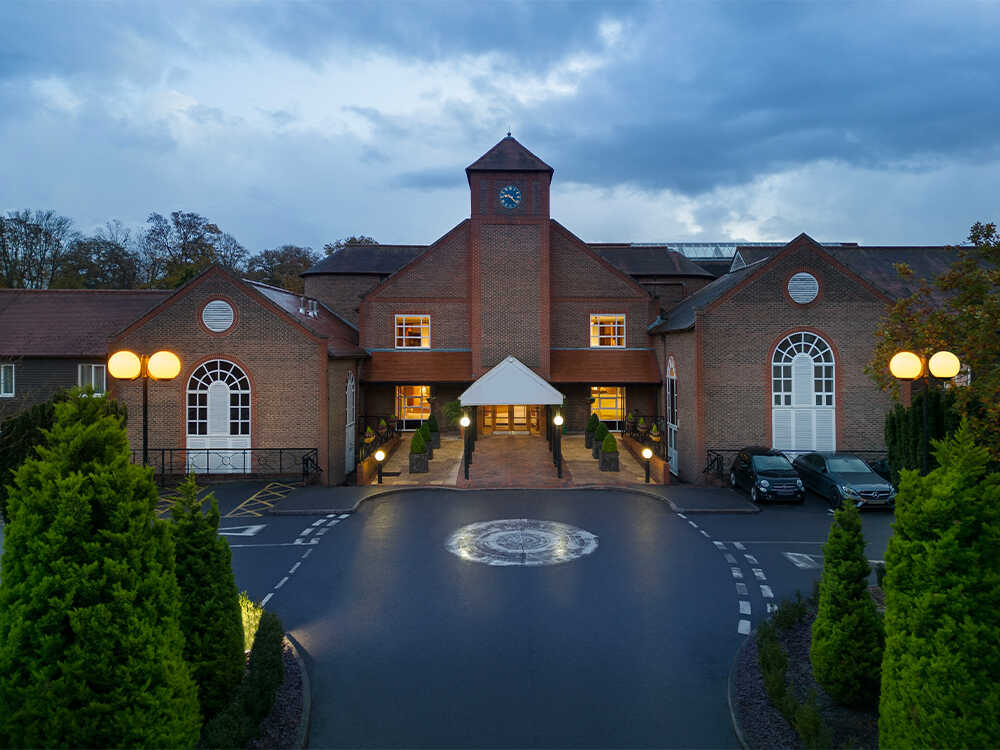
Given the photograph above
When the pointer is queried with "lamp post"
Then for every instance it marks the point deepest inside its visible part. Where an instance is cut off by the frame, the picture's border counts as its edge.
(909, 367)
(558, 422)
(647, 454)
(127, 365)
(380, 457)
(466, 457)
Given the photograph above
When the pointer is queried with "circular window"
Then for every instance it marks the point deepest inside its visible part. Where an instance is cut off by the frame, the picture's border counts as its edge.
(803, 288)
(217, 316)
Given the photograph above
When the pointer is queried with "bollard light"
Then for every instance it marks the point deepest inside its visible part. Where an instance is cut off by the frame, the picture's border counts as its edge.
(465, 421)
(558, 420)
(380, 457)
(647, 454)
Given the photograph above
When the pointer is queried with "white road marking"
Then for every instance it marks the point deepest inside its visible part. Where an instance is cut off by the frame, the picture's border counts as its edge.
(744, 607)
(306, 553)
(334, 522)
(766, 592)
(317, 523)
(242, 530)
(759, 574)
(276, 544)
(295, 567)
(693, 524)
(771, 608)
(739, 545)
(751, 559)
(741, 589)
(801, 560)
(681, 515)
(737, 573)
(705, 533)
(321, 532)
(266, 599)
(744, 627)
(304, 542)
(730, 559)
(342, 515)
(304, 532)
(720, 545)
(281, 583)
(331, 515)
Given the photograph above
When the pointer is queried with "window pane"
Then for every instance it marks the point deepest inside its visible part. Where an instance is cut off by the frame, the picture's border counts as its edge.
(607, 330)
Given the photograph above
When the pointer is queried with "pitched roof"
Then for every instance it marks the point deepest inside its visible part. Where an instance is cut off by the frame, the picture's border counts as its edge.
(648, 260)
(508, 156)
(876, 265)
(374, 259)
(341, 336)
(68, 322)
(510, 382)
(681, 316)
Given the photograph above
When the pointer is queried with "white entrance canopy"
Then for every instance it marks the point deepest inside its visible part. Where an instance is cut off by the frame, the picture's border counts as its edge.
(510, 382)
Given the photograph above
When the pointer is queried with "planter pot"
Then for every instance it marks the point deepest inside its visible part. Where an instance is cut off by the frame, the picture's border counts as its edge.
(430, 449)
(418, 463)
(382, 431)
(655, 438)
(436, 439)
(609, 461)
(595, 449)
(589, 439)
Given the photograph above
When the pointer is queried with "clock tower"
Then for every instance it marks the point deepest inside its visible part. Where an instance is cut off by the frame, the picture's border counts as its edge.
(509, 273)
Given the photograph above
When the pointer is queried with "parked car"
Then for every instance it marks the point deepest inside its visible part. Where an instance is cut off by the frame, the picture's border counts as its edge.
(767, 475)
(843, 477)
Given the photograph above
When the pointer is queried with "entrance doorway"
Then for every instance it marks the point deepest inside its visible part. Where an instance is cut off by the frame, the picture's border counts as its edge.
(509, 419)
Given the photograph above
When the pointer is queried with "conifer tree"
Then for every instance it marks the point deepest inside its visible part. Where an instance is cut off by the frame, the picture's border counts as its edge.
(90, 645)
(942, 589)
(847, 637)
(210, 611)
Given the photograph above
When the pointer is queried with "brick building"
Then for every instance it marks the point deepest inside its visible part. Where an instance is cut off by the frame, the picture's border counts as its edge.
(724, 345)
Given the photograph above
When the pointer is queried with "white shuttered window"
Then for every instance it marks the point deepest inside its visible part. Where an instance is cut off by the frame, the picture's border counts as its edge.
(802, 394)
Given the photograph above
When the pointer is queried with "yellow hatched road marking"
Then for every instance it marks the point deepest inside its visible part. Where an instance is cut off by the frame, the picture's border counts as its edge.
(262, 500)
(167, 499)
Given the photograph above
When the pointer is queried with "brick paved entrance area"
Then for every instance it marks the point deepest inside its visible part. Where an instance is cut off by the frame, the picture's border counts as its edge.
(513, 461)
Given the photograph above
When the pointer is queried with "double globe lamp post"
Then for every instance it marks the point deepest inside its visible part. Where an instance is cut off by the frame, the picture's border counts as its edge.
(910, 367)
(127, 365)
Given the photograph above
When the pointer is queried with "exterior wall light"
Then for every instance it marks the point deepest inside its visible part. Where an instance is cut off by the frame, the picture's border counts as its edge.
(127, 365)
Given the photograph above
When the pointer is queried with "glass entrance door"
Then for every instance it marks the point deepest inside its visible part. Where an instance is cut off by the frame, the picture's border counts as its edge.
(513, 417)
(501, 418)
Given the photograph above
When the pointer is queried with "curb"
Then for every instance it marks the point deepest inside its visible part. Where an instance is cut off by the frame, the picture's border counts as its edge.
(591, 487)
(731, 690)
(302, 734)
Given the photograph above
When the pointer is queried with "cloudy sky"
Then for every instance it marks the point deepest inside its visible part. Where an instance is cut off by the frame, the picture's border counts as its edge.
(303, 122)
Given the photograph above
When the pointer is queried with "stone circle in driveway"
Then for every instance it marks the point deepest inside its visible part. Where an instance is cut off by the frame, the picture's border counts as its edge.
(521, 541)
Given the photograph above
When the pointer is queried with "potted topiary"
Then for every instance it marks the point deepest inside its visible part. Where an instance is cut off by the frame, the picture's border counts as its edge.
(609, 453)
(643, 428)
(588, 435)
(654, 433)
(426, 432)
(383, 428)
(599, 434)
(630, 420)
(369, 434)
(432, 425)
(418, 453)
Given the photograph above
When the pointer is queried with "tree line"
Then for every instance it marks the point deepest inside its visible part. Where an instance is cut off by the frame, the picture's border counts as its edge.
(42, 250)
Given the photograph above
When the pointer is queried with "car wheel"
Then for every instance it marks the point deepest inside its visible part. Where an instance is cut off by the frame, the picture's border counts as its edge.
(835, 499)
(732, 479)
(754, 495)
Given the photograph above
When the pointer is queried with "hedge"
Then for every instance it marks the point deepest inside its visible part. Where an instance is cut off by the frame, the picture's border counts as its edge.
(904, 428)
(942, 595)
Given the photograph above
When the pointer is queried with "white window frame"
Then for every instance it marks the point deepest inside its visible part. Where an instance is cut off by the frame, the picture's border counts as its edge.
(803, 419)
(7, 382)
(615, 425)
(400, 328)
(240, 392)
(423, 408)
(596, 335)
(82, 368)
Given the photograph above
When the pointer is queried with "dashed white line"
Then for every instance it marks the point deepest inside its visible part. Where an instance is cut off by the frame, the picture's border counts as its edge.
(730, 559)
(342, 515)
(302, 542)
(266, 599)
(693, 524)
(317, 523)
(306, 553)
(281, 583)
(741, 589)
(766, 592)
(334, 522)
(681, 515)
(720, 545)
(744, 627)
(331, 515)
(304, 532)
(321, 532)
(737, 573)
(744, 607)
(759, 574)
(751, 559)
(295, 567)
(739, 545)
(705, 534)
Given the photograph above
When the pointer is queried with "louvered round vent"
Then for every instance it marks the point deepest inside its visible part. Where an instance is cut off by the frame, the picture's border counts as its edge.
(803, 288)
(217, 315)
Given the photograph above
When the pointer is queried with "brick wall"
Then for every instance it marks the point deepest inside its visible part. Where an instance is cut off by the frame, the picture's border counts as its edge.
(337, 376)
(285, 364)
(510, 268)
(690, 459)
(341, 292)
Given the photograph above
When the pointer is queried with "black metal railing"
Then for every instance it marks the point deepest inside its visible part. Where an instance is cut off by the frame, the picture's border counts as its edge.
(716, 462)
(368, 442)
(649, 430)
(166, 462)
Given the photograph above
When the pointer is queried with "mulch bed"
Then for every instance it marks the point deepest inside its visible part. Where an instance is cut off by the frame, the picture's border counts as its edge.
(764, 727)
(280, 729)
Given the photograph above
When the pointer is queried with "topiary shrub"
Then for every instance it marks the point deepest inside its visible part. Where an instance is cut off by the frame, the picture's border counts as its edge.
(609, 444)
(847, 637)
(417, 443)
(942, 591)
(250, 612)
(592, 423)
(91, 649)
(432, 423)
(211, 619)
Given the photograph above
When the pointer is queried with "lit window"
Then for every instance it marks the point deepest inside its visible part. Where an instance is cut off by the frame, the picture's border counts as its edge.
(607, 330)
(413, 331)
(412, 405)
(6, 381)
(93, 376)
(608, 404)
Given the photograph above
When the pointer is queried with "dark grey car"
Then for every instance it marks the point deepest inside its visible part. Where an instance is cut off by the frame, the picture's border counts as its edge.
(843, 477)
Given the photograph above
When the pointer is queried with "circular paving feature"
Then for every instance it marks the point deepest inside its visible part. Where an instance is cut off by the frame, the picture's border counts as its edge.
(520, 541)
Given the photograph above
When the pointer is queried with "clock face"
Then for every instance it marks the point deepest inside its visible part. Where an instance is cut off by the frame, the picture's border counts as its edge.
(510, 196)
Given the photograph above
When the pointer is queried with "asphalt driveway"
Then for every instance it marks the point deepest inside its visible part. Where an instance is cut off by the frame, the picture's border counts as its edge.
(409, 645)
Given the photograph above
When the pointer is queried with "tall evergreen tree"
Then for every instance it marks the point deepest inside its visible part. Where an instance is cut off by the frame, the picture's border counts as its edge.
(847, 637)
(942, 588)
(210, 611)
(91, 651)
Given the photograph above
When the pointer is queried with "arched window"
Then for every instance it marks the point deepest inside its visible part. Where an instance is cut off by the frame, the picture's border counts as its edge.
(218, 400)
(802, 394)
(349, 418)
